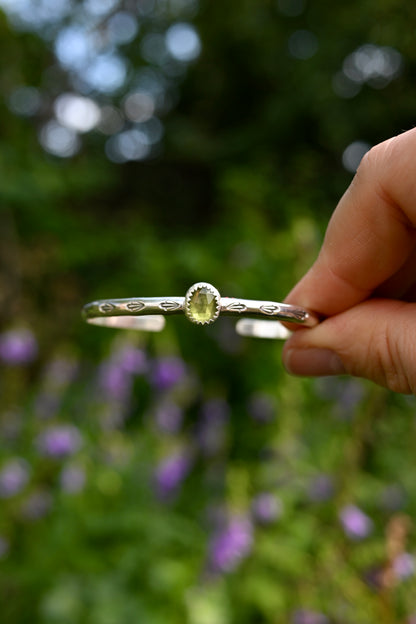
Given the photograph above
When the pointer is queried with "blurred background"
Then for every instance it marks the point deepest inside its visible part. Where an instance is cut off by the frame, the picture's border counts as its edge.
(184, 477)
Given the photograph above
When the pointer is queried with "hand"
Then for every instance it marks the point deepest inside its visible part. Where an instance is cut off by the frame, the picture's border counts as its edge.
(364, 279)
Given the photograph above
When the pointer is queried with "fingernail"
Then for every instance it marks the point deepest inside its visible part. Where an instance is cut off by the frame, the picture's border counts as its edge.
(313, 362)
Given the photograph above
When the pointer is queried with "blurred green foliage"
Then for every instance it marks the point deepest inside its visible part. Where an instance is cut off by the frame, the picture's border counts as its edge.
(248, 173)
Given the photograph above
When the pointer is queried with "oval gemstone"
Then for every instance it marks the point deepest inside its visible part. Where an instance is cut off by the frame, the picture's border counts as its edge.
(203, 305)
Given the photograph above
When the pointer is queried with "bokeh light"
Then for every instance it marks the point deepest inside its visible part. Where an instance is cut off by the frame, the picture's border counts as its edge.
(151, 81)
(153, 48)
(73, 47)
(153, 129)
(130, 144)
(353, 154)
(27, 14)
(376, 65)
(106, 73)
(344, 87)
(25, 101)
(59, 140)
(139, 106)
(103, 90)
(111, 120)
(303, 44)
(146, 7)
(182, 42)
(122, 27)
(76, 112)
(100, 7)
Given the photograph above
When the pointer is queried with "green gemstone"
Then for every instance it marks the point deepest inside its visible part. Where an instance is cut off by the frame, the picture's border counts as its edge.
(202, 305)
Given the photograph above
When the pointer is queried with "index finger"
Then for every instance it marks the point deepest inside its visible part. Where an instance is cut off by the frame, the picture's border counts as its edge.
(371, 233)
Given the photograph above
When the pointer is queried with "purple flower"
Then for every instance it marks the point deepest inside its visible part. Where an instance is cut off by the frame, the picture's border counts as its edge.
(404, 566)
(262, 407)
(346, 394)
(114, 381)
(266, 508)
(18, 346)
(211, 429)
(59, 441)
(231, 544)
(168, 417)
(132, 360)
(215, 410)
(351, 395)
(321, 488)
(72, 479)
(37, 505)
(211, 439)
(304, 616)
(47, 405)
(60, 372)
(167, 372)
(171, 472)
(13, 477)
(355, 522)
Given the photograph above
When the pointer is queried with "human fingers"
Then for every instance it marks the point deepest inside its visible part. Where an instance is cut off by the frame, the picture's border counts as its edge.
(371, 233)
(402, 284)
(375, 339)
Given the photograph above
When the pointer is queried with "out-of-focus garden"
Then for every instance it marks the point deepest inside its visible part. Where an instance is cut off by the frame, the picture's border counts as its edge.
(184, 477)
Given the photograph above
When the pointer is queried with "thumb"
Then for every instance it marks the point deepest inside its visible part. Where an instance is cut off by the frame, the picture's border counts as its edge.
(375, 339)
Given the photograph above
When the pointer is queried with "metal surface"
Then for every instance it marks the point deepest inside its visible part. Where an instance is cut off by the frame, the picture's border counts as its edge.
(146, 313)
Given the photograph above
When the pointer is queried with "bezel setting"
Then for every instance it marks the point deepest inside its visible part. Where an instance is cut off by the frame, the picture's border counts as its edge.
(191, 292)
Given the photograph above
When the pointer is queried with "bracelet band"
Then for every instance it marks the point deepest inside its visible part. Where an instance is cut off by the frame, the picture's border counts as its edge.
(202, 305)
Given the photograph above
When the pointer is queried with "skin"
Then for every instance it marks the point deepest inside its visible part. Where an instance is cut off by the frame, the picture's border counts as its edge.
(364, 280)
